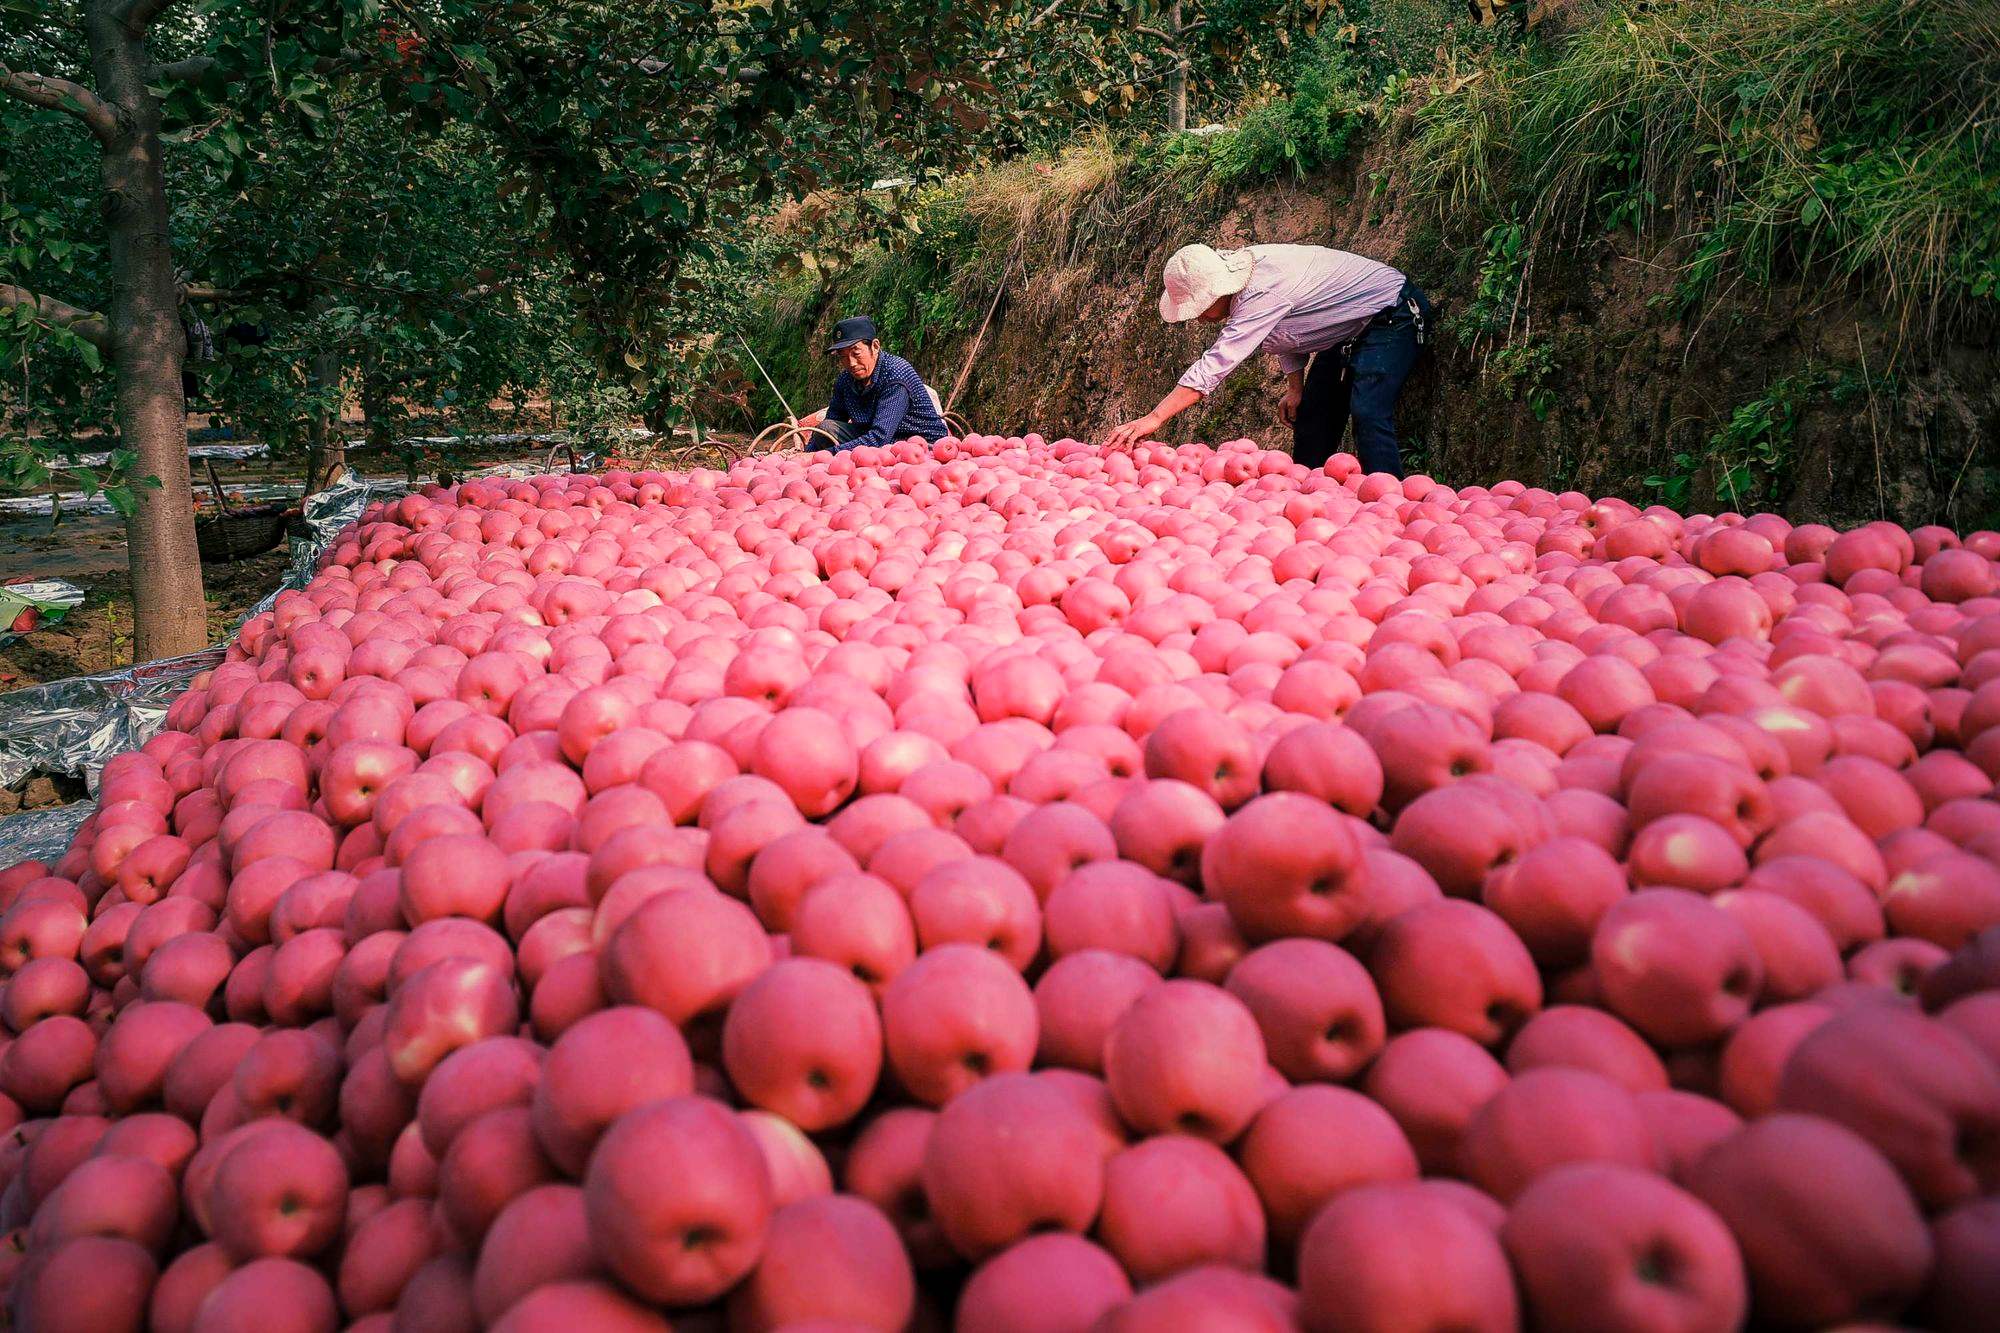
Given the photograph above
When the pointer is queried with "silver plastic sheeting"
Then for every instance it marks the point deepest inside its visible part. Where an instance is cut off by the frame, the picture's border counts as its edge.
(54, 598)
(42, 835)
(73, 726)
(322, 517)
(235, 452)
(505, 440)
(80, 502)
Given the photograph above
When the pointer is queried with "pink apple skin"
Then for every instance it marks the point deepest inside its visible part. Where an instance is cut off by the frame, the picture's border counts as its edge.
(1042, 1284)
(1598, 1245)
(1399, 1256)
(989, 1185)
(1823, 1244)
(719, 1193)
(1315, 1142)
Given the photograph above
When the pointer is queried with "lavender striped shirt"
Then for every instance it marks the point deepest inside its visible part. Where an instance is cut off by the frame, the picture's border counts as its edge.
(1300, 299)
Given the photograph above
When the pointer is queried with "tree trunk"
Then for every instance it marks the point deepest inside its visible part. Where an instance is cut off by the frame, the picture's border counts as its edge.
(1177, 78)
(169, 612)
(376, 423)
(325, 450)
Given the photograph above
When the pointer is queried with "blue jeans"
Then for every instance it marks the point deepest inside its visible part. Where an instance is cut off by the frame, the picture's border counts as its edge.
(1361, 379)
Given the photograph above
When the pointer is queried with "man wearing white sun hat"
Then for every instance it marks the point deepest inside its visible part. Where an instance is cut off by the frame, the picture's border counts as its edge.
(1344, 329)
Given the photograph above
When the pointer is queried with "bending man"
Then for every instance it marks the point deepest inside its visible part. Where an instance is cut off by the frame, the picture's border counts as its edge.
(1344, 329)
(877, 398)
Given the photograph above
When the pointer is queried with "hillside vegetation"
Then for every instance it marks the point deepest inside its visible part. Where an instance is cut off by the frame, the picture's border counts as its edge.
(1705, 252)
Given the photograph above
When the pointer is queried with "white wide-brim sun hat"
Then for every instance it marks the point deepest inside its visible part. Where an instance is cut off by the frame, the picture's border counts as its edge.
(1197, 276)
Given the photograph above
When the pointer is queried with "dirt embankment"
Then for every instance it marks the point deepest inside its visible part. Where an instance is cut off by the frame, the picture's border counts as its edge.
(1623, 380)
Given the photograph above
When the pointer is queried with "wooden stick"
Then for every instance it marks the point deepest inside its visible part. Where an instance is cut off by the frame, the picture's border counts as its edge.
(972, 353)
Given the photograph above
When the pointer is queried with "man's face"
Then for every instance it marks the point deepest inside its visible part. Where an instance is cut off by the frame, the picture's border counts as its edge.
(1218, 312)
(859, 360)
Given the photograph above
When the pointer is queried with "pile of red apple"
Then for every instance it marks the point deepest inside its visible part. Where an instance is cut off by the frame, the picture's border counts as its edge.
(1023, 888)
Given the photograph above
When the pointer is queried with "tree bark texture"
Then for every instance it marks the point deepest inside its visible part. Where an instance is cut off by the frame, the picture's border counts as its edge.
(1177, 80)
(325, 450)
(169, 611)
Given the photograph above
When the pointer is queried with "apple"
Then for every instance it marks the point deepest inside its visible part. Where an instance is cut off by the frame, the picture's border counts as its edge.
(1007, 1156)
(956, 1015)
(1455, 965)
(1173, 1202)
(1212, 1296)
(601, 1067)
(1579, 1037)
(382, 1254)
(1395, 1256)
(184, 1284)
(1549, 1116)
(686, 953)
(1287, 864)
(832, 1259)
(678, 1200)
(1186, 1057)
(556, 1307)
(1079, 999)
(278, 1193)
(86, 1285)
(473, 1080)
(1048, 1283)
(804, 1040)
(1962, 1284)
(1755, 1056)
(491, 1161)
(1684, 1126)
(1315, 1005)
(1554, 894)
(1433, 1081)
(1598, 1245)
(1828, 1231)
(1314, 1142)
(885, 1166)
(541, 1236)
(1925, 1097)
(122, 1195)
(1675, 966)
(797, 1168)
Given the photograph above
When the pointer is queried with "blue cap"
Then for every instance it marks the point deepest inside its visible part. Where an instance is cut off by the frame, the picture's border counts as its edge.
(859, 329)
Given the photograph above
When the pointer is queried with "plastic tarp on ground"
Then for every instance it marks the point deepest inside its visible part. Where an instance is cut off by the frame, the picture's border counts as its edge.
(73, 726)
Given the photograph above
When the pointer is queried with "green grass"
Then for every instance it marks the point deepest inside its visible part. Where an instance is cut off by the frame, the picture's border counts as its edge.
(1777, 135)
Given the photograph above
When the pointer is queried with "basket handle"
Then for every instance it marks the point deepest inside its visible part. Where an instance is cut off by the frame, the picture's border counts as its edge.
(221, 496)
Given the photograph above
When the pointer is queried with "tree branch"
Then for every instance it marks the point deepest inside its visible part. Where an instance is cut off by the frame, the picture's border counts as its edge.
(185, 71)
(135, 16)
(85, 324)
(62, 95)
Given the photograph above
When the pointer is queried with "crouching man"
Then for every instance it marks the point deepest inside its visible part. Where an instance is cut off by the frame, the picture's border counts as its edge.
(878, 398)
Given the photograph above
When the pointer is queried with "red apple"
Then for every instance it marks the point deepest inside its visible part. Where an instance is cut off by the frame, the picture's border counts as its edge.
(1600, 1246)
(804, 1040)
(1455, 965)
(1049, 1283)
(678, 1200)
(1400, 1256)
(1315, 1142)
(1009, 1155)
(1828, 1232)
(1186, 1057)
(827, 1260)
(1547, 1117)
